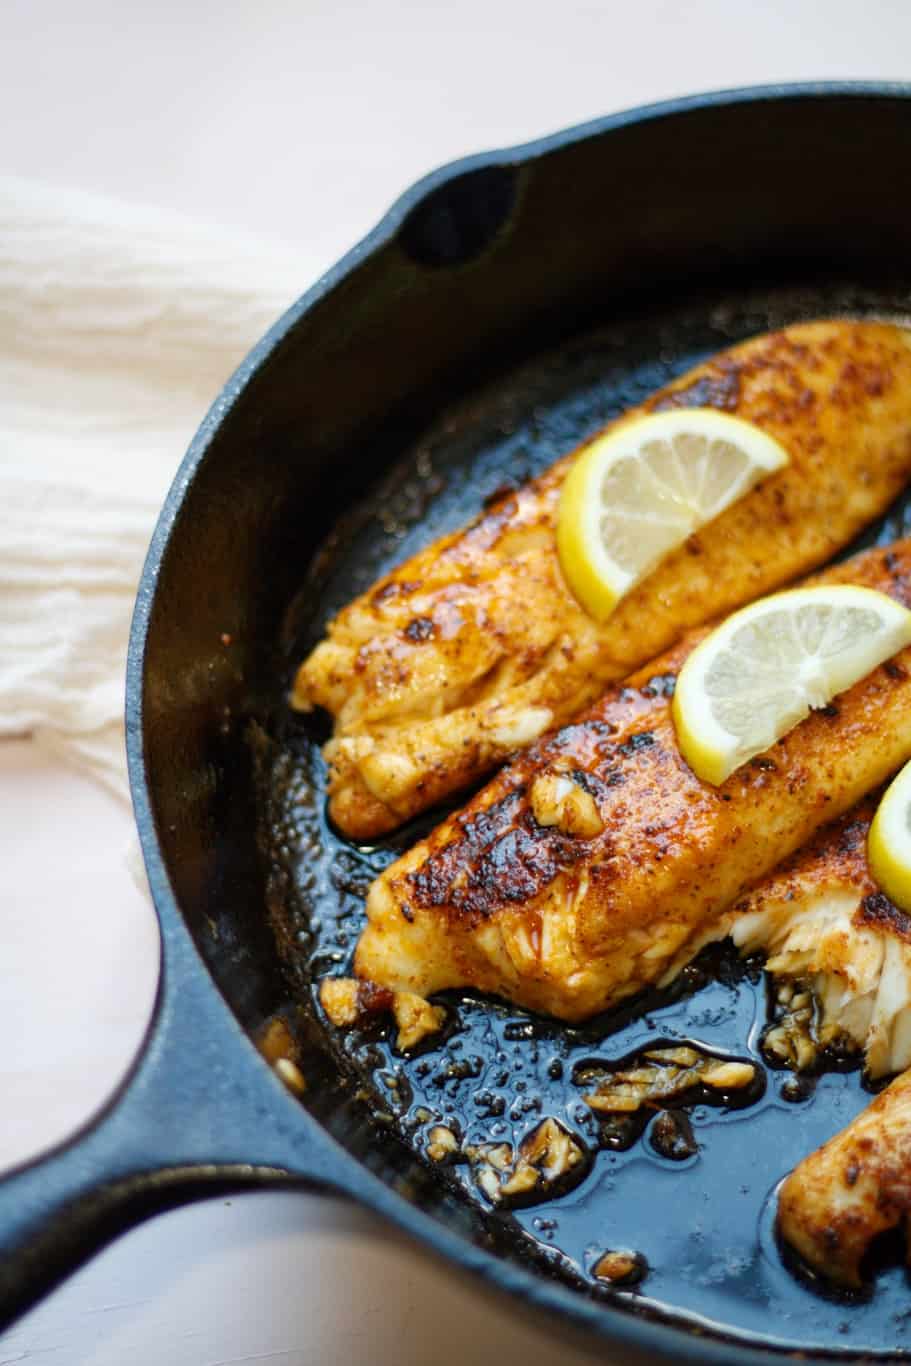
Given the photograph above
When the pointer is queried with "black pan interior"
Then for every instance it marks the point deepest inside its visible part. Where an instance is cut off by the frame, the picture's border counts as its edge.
(339, 459)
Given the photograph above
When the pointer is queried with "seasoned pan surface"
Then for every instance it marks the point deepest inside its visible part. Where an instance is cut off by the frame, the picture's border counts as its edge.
(692, 1191)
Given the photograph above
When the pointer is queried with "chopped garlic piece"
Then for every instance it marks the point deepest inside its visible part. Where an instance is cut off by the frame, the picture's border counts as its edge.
(291, 1075)
(276, 1041)
(518, 728)
(550, 1154)
(548, 793)
(339, 998)
(558, 800)
(415, 1017)
(441, 1144)
(489, 1182)
(618, 1266)
(664, 1074)
(729, 1074)
(683, 1057)
(499, 1155)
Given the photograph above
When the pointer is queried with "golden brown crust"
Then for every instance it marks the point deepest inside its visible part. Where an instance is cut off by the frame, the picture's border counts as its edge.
(836, 856)
(570, 925)
(474, 646)
(853, 1188)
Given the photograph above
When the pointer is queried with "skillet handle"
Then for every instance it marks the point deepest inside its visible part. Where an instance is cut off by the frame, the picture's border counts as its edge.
(201, 1113)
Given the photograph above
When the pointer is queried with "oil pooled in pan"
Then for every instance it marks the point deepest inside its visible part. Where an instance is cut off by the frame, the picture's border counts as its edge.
(666, 1205)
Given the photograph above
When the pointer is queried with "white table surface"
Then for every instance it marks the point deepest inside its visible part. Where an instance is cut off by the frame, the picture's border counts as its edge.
(299, 122)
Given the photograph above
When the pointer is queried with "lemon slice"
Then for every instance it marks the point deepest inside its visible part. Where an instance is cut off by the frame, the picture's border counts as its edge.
(762, 670)
(889, 841)
(642, 488)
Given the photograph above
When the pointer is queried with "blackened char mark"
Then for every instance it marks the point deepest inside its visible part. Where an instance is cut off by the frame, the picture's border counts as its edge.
(901, 585)
(504, 490)
(660, 685)
(718, 389)
(579, 739)
(643, 739)
(852, 836)
(597, 784)
(420, 629)
(395, 589)
(878, 911)
(502, 856)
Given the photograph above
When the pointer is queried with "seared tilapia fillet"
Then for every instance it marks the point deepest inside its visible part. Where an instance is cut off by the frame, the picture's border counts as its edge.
(820, 917)
(853, 1188)
(473, 648)
(578, 875)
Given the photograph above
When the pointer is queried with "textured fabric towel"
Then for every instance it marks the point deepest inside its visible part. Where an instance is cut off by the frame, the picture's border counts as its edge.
(118, 326)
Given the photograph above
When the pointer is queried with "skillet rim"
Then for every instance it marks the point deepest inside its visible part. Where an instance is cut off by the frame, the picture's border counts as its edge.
(615, 1325)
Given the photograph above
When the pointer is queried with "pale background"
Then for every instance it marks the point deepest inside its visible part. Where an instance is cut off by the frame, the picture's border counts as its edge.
(298, 123)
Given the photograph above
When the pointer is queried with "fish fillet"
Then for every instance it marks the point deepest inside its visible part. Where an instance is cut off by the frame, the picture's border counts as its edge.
(821, 917)
(853, 1188)
(474, 647)
(584, 869)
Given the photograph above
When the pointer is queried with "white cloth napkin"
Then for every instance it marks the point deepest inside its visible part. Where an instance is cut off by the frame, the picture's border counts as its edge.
(118, 326)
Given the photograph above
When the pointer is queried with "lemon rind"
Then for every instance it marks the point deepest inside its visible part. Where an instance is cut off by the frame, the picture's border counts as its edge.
(889, 841)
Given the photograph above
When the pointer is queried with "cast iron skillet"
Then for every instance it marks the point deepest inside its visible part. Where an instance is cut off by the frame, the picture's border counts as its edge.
(505, 306)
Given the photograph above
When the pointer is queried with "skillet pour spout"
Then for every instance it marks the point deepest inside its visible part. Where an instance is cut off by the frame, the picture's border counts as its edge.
(506, 307)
